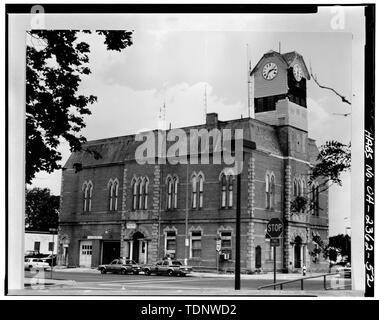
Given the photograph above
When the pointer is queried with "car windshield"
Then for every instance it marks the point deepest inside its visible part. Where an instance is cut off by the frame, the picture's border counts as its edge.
(176, 263)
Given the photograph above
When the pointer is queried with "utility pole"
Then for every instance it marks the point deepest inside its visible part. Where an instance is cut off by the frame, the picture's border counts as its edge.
(186, 244)
(248, 82)
(52, 230)
(237, 284)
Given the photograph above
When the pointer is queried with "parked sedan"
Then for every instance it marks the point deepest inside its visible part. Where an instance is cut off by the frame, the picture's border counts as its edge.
(120, 266)
(35, 263)
(167, 267)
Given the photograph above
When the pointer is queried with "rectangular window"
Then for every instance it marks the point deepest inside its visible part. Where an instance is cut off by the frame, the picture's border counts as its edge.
(196, 244)
(226, 240)
(37, 246)
(171, 242)
(51, 246)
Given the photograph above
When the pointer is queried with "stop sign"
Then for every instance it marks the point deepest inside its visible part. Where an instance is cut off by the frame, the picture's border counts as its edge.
(275, 227)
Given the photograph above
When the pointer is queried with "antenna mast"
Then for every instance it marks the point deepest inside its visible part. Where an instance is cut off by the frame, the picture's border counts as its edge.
(249, 87)
(205, 102)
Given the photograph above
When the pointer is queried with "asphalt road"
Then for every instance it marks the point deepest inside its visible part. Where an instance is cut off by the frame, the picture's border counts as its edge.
(96, 283)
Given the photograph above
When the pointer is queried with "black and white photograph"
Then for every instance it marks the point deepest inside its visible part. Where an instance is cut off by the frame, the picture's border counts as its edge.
(189, 152)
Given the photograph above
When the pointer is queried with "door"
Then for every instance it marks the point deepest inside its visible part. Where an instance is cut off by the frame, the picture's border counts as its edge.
(258, 257)
(137, 246)
(297, 252)
(111, 251)
(85, 254)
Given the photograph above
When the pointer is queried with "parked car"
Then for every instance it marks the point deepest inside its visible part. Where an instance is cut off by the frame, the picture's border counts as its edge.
(120, 266)
(50, 259)
(35, 263)
(167, 267)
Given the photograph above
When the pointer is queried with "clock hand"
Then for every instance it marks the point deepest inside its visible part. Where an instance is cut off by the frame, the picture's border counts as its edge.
(272, 69)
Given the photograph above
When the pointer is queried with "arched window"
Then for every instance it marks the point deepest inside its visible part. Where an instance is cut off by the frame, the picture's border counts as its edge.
(84, 196)
(201, 191)
(267, 190)
(295, 188)
(194, 192)
(110, 195)
(175, 204)
(315, 206)
(230, 191)
(135, 194)
(272, 191)
(223, 191)
(89, 195)
(115, 194)
(145, 192)
(169, 193)
(141, 193)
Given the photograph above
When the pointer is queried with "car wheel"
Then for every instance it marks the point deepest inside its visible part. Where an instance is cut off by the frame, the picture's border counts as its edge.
(103, 271)
(123, 271)
(170, 273)
(147, 272)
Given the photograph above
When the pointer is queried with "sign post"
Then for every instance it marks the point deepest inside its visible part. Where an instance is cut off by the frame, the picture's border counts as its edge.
(274, 230)
(52, 230)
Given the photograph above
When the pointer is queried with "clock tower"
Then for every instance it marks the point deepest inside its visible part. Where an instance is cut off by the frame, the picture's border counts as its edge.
(280, 90)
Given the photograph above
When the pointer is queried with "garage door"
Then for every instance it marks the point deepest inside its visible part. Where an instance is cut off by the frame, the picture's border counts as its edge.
(85, 257)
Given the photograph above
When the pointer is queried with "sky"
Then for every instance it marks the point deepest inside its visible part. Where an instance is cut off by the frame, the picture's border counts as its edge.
(177, 60)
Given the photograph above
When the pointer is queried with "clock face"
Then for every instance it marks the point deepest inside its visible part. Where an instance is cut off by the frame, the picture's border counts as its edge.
(270, 70)
(298, 74)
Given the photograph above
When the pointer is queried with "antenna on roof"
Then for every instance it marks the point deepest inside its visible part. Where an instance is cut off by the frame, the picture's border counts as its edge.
(205, 102)
(248, 81)
(279, 46)
(162, 114)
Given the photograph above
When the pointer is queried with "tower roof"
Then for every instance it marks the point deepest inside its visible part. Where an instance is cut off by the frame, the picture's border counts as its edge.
(288, 58)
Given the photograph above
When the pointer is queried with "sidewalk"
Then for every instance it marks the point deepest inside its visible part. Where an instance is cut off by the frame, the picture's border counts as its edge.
(260, 276)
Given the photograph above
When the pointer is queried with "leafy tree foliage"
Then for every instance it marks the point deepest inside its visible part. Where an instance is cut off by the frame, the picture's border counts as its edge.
(41, 210)
(299, 204)
(334, 158)
(339, 245)
(56, 61)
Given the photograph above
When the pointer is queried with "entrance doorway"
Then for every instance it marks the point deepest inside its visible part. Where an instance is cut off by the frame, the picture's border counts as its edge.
(297, 252)
(137, 246)
(111, 251)
(258, 257)
(85, 254)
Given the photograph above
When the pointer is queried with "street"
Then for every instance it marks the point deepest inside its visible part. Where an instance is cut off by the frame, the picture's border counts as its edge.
(96, 283)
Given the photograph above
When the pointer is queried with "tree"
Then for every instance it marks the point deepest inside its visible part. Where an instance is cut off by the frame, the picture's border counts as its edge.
(41, 210)
(341, 244)
(333, 159)
(56, 61)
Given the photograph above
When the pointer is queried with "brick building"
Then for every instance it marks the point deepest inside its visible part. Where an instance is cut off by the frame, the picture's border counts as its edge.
(112, 206)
